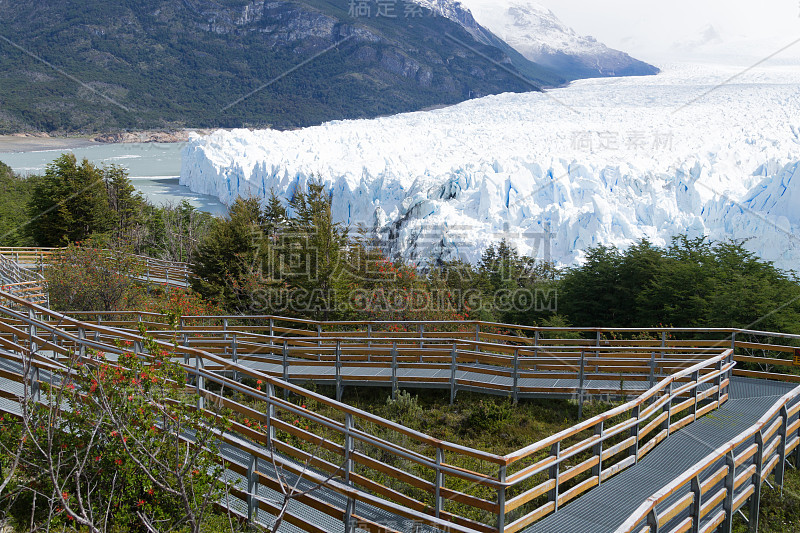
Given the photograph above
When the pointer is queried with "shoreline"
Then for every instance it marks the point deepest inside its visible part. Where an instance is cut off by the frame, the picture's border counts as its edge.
(22, 144)
(42, 142)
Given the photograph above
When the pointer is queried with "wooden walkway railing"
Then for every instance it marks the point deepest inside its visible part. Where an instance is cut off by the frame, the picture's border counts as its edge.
(683, 378)
(150, 270)
(22, 282)
(524, 485)
(735, 477)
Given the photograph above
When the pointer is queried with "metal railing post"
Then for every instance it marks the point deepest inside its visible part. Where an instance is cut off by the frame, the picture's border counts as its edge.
(697, 505)
(755, 499)
(453, 369)
(235, 356)
(553, 473)
(234, 349)
(780, 469)
(634, 450)
(35, 389)
(597, 451)
(81, 342)
(516, 377)
(285, 367)
(696, 379)
(580, 384)
(667, 423)
(319, 334)
(439, 481)
(394, 370)
(652, 370)
(252, 490)
(339, 371)
(270, 414)
(727, 504)
(501, 501)
(421, 337)
(34, 348)
(271, 331)
(199, 382)
(652, 521)
(350, 508)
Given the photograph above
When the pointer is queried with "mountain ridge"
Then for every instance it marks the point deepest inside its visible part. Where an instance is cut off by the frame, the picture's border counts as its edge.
(175, 65)
(538, 34)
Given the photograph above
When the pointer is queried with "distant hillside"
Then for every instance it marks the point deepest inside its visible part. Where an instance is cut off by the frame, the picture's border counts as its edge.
(145, 64)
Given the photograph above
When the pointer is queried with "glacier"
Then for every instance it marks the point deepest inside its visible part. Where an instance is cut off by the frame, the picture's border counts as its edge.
(698, 150)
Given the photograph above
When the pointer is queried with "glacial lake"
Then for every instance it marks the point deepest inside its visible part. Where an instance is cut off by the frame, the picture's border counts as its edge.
(154, 169)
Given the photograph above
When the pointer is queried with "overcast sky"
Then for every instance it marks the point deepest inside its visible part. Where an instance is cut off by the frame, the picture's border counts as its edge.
(650, 30)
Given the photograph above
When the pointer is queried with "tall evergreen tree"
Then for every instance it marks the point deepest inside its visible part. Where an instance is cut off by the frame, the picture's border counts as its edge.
(230, 258)
(127, 204)
(15, 191)
(319, 243)
(69, 203)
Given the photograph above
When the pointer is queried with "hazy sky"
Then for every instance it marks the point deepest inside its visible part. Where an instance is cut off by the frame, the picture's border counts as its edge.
(650, 30)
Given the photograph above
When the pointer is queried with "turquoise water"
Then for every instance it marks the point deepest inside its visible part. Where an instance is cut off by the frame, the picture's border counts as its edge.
(153, 167)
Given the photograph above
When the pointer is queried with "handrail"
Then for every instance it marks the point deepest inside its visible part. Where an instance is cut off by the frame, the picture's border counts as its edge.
(173, 274)
(462, 323)
(649, 506)
(26, 283)
(502, 482)
(670, 404)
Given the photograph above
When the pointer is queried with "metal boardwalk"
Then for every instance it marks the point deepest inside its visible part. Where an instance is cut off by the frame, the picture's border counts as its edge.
(606, 507)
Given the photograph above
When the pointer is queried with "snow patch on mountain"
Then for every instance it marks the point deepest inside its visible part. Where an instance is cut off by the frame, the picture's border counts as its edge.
(538, 34)
(604, 161)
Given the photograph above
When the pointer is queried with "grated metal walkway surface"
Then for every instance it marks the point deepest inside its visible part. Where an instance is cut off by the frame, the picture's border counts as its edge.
(409, 377)
(606, 507)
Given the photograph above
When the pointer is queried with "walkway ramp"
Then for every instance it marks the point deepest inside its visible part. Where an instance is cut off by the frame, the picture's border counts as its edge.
(605, 508)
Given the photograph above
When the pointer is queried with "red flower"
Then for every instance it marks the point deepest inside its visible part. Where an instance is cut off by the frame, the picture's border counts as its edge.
(65, 495)
(118, 462)
(140, 503)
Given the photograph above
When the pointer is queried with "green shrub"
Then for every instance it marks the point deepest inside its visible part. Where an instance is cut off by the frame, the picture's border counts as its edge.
(404, 406)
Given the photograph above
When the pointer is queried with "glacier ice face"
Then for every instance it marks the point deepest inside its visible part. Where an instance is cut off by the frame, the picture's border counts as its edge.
(604, 161)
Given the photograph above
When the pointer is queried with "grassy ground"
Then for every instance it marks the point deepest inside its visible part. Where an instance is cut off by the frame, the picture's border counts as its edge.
(780, 513)
(491, 424)
(488, 423)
